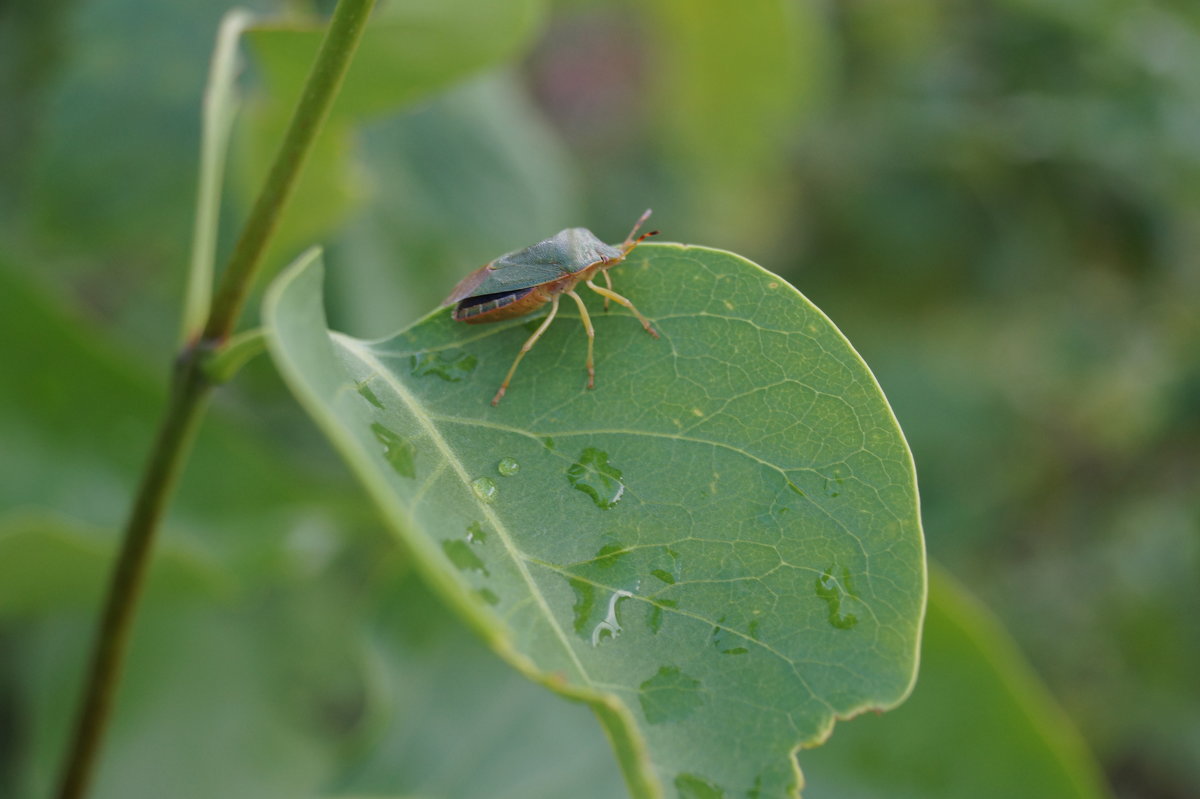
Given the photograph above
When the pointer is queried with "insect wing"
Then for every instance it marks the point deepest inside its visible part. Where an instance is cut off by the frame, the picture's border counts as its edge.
(565, 253)
(466, 287)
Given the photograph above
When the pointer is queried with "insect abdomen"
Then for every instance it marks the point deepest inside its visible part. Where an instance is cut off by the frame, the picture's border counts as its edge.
(494, 307)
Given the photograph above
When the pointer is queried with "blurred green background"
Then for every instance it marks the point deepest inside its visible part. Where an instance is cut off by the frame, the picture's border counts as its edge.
(997, 202)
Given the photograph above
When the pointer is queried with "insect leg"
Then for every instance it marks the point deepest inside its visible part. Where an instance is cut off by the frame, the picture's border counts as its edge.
(615, 297)
(591, 334)
(526, 347)
(607, 282)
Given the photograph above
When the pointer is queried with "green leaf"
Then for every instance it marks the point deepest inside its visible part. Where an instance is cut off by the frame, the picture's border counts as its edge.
(480, 151)
(995, 729)
(227, 360)
(77, 425)
(448, 719)
(718, 548)
(409, 51)
(219, 697)
(221, 100)
(732, 93)
(51, 563)
(108, 110)
(733, 114)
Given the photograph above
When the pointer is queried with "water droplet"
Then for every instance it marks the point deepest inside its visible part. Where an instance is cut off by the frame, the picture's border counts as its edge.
(488, 596)
(595, 476)
(837, 593)
(670, 695)
(463, 557)
(692, 787)
(450, 366)
(399, 452)
(475, 533)
(727, 641)
(508, 467)
(485, 489)
(609, 627)
(364, 388)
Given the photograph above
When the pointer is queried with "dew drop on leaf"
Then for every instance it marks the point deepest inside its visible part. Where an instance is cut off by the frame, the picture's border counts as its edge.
(485, 489)
(508, 467)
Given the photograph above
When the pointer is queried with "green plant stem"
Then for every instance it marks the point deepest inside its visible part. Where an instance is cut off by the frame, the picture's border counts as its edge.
(190, 388)
(345, 30)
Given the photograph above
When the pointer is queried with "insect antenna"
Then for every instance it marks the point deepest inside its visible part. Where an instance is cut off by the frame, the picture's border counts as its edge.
(630, 241)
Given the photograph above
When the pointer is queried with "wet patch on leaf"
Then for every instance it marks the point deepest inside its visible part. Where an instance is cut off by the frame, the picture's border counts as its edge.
(451, 367)
(839, 595)
(460, 554)
(364, 389)
(595, 476)
(397, 451)
(692, 787)
(670, 695)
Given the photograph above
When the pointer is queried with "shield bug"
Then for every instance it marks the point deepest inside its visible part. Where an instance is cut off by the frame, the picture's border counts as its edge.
(523, 281)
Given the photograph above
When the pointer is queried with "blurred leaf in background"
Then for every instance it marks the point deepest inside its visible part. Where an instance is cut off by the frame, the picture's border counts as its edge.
(976, 702)
(410, 50)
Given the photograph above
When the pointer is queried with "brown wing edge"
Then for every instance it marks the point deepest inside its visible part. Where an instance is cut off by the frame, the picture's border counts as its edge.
(466, 287)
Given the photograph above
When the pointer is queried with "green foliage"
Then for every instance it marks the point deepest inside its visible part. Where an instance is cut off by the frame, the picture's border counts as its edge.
(410, 50)
(449, 718)
(75, 436)
(996, 202)
(669, 590)
(974, 695)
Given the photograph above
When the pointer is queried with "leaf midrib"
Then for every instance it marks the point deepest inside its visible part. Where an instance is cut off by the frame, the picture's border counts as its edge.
(518, 557)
